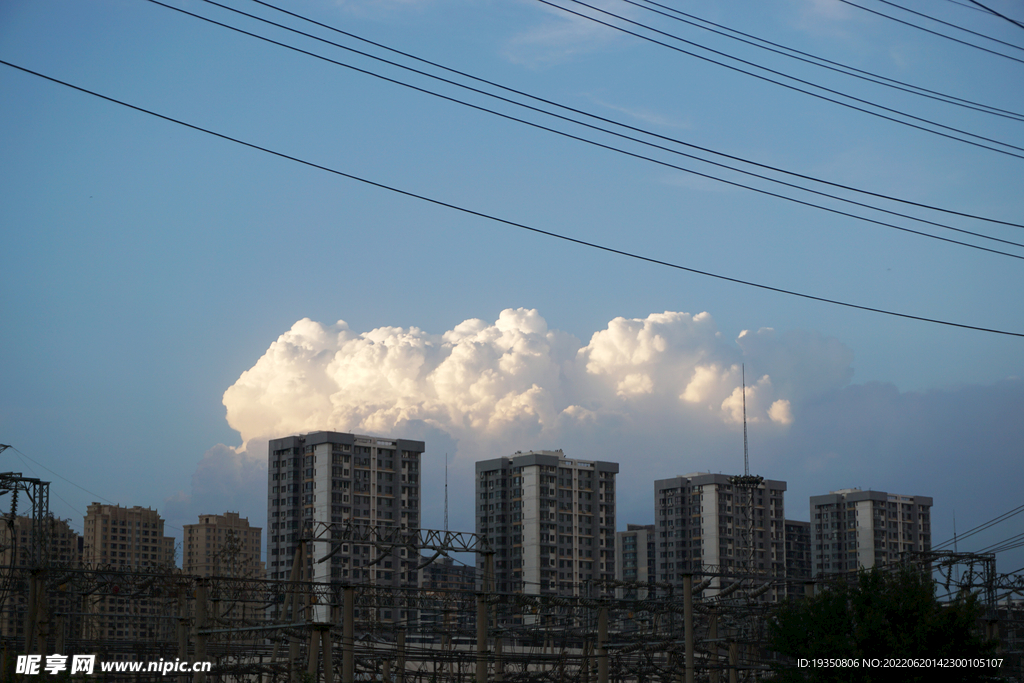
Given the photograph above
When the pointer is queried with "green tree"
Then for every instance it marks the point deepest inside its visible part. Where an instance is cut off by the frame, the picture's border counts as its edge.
(880, 615)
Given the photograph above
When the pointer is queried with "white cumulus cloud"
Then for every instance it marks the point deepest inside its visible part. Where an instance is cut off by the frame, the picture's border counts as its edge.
(491, 381)
(759, 398)
(660, 395)
(670, 381)
(781, 412)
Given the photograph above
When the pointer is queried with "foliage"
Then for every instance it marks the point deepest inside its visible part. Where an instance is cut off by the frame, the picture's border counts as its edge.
(880, 615)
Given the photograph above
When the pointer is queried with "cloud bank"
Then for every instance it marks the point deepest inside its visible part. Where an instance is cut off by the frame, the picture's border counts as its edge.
(487, 388)
(490, 381)
(660, 395)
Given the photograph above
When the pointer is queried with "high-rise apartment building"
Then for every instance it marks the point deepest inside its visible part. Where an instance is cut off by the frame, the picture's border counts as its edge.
(222, 545)
(62, 547)
(227, 546)
(550, 520)
(443, 574)
(854, 529)
(443, 577)
(326, 477)
(712, 521)
(126, 539)
(798, 557)
(636, 553)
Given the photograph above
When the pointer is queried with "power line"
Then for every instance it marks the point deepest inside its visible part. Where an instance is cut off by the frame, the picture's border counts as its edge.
(577, 111)
(1001, 16)
(793, 78)
(808, 58)
(976, 9)
(946, 23)
(611, 132)
(44, 466)
(1006, 544)
(981, 527)
(57, 475)
(934, 33)
(503, 221)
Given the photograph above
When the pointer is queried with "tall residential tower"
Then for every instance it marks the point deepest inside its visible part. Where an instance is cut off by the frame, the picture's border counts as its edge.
(326, 477)
(852, 529)
(706, 519)
(550, 520)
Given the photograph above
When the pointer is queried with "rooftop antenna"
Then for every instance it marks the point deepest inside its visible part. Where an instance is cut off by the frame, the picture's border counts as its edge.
(747, 484)
(954, 530)
(954, 542)
(446, 491)
(746, 459)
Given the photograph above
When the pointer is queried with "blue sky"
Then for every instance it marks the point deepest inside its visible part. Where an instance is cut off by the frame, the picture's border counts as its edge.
(147, 267)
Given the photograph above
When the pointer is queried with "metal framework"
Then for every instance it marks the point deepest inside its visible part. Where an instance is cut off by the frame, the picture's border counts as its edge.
(515, 637)
(38, 494)
(278, 631)
(389, 538)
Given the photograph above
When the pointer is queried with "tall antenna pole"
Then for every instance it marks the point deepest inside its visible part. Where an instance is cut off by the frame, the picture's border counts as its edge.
(746, 485)
(746, 459)
(446, 492)
(954, 530)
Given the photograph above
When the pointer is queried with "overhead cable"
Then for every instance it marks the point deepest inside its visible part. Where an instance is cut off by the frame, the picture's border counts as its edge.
(981, 527)
(41, 464)
(1001, 16)
(793, 78)
(1011, 543)
(951, 25)
(510, 223)
(808, 58)
(973, 7)
(580, 111)
(934, 33)
(610, 147)
(53, 493)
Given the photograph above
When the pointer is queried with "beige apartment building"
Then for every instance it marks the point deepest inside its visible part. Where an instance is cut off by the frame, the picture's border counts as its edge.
(223, 545)
(127, 539)
(63, 549)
